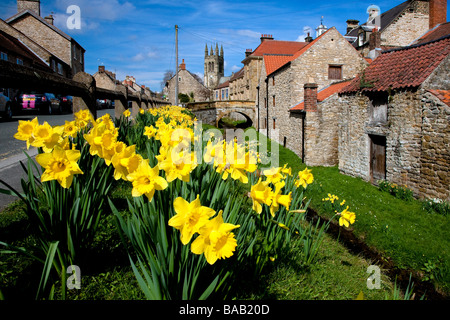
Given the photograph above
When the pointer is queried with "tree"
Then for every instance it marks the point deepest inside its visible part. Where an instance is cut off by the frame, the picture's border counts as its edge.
(167, 76)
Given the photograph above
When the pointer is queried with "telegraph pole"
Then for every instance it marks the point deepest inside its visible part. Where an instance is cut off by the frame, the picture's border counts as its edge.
(176, 66)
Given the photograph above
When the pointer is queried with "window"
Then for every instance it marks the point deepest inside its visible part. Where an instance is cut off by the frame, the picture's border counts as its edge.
(273, 101)
(274, 127)
(60, 68)
(334, 72)
(19, 61)
(226, 94)
(4, 56)
(223, 94)
(53, 65)
(217, 94)
(273, 81)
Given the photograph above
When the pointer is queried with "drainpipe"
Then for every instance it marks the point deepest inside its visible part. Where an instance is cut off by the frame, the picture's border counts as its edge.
(267, 105)
(257, 88)
(303, 136)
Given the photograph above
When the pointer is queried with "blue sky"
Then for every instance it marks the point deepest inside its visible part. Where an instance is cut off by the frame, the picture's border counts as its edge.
(137, 38)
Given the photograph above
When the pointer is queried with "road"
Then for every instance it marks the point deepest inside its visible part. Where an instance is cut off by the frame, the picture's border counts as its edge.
(12, 150)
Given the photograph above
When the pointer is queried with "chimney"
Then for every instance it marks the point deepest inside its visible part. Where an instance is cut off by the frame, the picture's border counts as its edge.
(265, 37)
(248, 52)
(308, 39)
(352, 24)
(310, 97)
(182, 65)
(49, 19)
(101, 69)
(374, 39)
(438, 12)
(33, 5)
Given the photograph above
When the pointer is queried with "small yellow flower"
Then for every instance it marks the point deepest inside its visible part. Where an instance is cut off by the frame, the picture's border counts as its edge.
(347, 217)
(126, 113)
(260, 193)
(305, 178)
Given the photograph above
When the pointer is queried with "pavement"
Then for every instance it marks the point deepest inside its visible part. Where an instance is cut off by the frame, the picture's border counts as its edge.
(12, 172)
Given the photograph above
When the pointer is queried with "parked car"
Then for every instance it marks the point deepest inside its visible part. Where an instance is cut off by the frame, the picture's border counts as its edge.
(44, 103)
(5, 106)
(103, 104)
(66, 103)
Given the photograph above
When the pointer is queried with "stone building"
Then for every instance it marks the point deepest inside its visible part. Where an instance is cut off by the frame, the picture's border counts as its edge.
(328, 59)
(188, 84)
(253, 64)
(42, 31)
(237, 87)
(105, 79)
(394, 121)
(399, 26)
(56, 64)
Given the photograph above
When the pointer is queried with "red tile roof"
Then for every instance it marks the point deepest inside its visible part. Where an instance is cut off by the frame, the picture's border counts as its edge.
(402, 68)
(274, 62)
(277, 47)
(324, 94)
(443, 95)
(437, 32)
(299, 52)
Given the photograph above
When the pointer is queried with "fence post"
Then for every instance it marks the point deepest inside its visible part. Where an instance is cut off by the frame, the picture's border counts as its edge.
(121, 104)
(87, 100)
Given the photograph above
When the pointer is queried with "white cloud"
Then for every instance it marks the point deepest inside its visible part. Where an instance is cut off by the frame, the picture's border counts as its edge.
(235, 68)
(306, 30)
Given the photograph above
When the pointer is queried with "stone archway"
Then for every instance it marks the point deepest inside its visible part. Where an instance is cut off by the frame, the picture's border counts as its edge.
(249, 119)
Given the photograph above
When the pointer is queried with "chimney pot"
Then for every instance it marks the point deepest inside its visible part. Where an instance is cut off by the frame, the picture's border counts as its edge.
(101, 69)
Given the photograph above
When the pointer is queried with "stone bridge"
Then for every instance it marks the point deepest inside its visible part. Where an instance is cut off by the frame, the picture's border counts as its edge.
(211, 112)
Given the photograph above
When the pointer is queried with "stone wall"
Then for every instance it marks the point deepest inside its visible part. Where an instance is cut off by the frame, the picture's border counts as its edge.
(435, 157)
(417, 139)
(410, 25)
(46, 37)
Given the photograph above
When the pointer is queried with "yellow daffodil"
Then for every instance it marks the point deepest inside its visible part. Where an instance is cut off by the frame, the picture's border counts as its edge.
(189, 218)
(215, 240)
(278, 198)
(60, 165)
(126, 113)
(46, 137)
(273, 175)
(177, 165)
(150, 132)
(260, 194)
(83, 118)
(146, 180)
(305, 177)
(25, 131)
(346, 217)
(70, 129)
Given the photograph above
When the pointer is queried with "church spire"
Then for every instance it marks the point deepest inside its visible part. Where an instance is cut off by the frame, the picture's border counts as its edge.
(217, 49)
(212, 51)
(206, 50)
(221, 50)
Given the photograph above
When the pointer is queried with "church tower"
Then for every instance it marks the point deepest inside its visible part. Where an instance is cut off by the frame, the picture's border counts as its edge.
(214, 67)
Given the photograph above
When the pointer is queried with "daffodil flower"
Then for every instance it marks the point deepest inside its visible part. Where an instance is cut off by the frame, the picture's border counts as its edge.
(60, 165)
(305, 177)
(347, 217)
(146, 180)
(189, 218)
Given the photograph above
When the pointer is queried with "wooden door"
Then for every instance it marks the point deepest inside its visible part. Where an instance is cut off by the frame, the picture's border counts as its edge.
(377, 158)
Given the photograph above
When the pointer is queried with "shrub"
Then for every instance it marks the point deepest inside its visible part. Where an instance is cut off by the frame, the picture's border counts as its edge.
(400, 192)
(437, 205)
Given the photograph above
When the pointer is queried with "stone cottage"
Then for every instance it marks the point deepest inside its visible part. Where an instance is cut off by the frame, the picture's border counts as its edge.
(399, 26)
(328, 59)
(42, 31)
(394, 121)
(188, 84)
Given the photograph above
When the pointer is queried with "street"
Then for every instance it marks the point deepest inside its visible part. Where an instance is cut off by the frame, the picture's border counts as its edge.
(12, 150)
